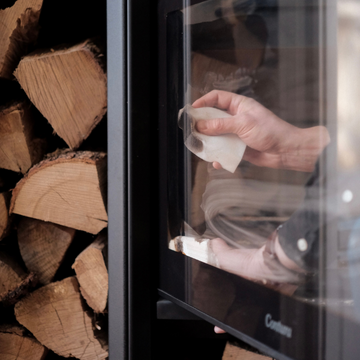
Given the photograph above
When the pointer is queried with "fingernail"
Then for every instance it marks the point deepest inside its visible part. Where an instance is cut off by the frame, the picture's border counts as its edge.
(201, 125)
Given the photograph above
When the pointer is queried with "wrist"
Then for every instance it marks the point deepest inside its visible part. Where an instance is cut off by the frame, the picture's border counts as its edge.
(304, 147)
(284, 259)
(274, 249)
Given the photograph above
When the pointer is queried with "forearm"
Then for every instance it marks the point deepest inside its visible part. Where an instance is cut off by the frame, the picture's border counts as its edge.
(302, 150)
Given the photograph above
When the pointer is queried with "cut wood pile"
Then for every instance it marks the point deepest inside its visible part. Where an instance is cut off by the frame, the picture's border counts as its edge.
(53, 184)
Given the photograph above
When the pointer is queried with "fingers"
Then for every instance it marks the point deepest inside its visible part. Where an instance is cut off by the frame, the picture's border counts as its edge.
(217, 126)
(218, 246)
(217, 330)
(217, 165)
(225, 100)
(259, 158)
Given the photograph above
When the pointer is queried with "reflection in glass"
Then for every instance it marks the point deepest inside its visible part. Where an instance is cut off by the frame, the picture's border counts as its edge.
(286, 216)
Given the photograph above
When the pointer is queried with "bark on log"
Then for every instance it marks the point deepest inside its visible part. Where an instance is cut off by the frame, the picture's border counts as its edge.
(14, 281)
(16, 345)
(68, 189)
(19, 150)
(68, 86)
(4, 214)
(92, 274)
(18, 29)
(43, 246)
(55, 315)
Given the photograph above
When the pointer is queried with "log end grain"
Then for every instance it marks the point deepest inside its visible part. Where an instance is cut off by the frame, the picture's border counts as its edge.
(55, 315)
(18, 29)
(67, 189)
(43, 246)
(233, 352)
(92, 274)
(15, 344)
(19, 149)
(70, 89)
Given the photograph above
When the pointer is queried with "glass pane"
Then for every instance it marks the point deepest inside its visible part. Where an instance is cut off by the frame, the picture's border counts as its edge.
(263, 165)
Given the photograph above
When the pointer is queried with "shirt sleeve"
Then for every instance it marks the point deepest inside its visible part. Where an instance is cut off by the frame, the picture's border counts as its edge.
(299, 236)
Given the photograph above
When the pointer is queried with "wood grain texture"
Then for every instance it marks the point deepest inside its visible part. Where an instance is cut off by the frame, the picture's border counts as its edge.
(92, 274)
(55, 315)
(18, 29)
(43, 246)
(16, 345)
(233, 352)
(4, 214)
(68, 86)
(14, 281)
(19, 149)
(9, 277)
(67, 189)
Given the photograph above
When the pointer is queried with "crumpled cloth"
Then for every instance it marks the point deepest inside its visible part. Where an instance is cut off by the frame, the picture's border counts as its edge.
(227, 149)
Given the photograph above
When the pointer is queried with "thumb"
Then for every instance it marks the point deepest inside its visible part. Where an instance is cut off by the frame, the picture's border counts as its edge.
(217, 126)
(219, 246)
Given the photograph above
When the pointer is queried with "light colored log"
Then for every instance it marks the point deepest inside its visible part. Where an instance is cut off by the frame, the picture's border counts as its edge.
(198, 249)
(92, 274)
(233, 352)
(43, 246)
(19, 149)
(55, 315)
(68, 86)
(67, 189)
(18, 29)
(15, 345)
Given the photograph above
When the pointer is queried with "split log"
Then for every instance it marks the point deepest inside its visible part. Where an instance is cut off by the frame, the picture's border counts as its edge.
(43, 246)
(68, 86)
(4, 214)
(19, 149)
(198, 249)
(16, 345)
(14, 281)
(18, 29)
(55, 315)
(92, 274)
(67, 189)
(233, 352)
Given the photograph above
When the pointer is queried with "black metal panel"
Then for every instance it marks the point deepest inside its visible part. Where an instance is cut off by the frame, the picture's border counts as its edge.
(142, 176)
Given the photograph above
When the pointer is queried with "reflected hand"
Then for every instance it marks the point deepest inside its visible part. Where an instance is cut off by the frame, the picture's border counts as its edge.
(256, 265)
(271, 141)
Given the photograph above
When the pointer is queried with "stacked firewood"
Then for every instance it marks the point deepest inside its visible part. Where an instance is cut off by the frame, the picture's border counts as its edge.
(53, 217)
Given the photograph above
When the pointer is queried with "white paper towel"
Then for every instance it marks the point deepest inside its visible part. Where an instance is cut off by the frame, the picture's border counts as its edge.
(227, 149)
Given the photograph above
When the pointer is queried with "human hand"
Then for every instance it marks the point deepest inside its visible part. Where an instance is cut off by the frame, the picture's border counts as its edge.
(257, 265)
(271, 141)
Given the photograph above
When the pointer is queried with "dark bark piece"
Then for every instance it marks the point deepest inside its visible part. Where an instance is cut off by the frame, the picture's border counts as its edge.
(92, 274)
(68, 189)
(4, 214)
(18, 29)
(55, 315)
(14, 281)
(68, 86)
(43, 246)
